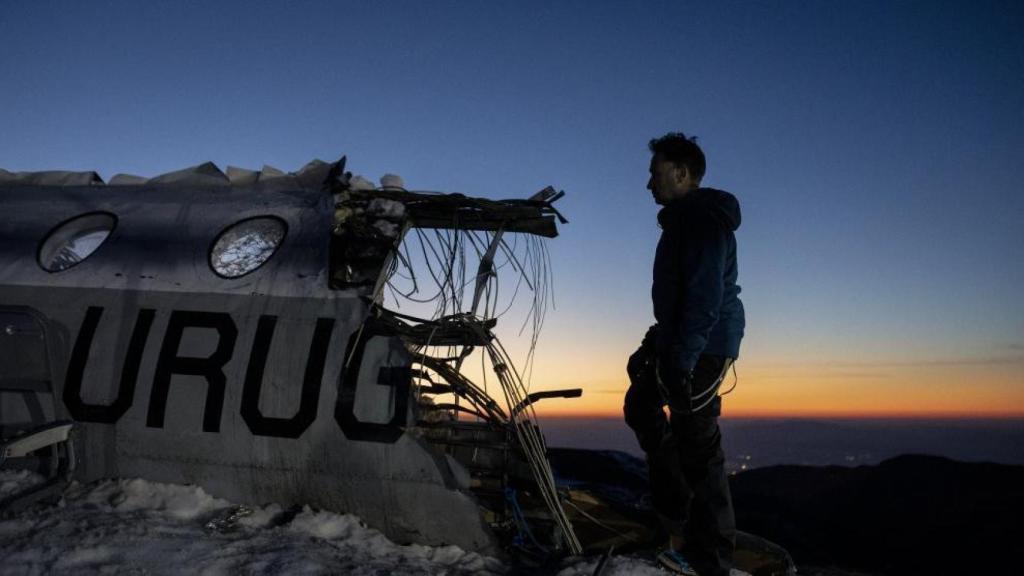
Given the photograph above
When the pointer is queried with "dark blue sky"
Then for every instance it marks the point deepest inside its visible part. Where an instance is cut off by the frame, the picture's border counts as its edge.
(877, 148)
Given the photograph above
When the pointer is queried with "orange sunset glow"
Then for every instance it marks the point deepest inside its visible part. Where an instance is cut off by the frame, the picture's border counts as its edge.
(815, 389)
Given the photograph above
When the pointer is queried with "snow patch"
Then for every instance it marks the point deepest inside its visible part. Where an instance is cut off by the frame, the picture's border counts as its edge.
(136, 526)
(13, 481)
(260, 517)
(326, 525)
(359, 183)
(173, 500)
(385, 208)
(392, 182)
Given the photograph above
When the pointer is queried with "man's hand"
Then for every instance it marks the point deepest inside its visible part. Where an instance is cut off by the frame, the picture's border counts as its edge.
(675, 388)
(644, 355)
(638, 361)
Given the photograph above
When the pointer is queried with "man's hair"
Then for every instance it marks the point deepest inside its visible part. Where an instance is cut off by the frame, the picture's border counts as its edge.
(681, 151)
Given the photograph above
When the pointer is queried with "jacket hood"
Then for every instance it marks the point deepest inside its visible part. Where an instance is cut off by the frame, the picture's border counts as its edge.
(717, 204)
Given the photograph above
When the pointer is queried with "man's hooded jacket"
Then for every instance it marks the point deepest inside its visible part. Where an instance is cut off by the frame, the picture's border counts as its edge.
(696, 298)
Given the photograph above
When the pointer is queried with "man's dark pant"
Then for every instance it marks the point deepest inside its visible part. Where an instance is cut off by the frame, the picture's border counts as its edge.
(689, 486)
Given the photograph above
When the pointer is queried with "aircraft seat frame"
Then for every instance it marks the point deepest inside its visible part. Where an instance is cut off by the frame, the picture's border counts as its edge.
(57, 436)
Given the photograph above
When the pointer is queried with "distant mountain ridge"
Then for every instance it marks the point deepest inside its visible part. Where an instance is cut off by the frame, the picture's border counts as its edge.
(908, 515)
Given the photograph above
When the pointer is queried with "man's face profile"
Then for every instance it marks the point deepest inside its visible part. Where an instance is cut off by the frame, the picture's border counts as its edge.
(668, 180)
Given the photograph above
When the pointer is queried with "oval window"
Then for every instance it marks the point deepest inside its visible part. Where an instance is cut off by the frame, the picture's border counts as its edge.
(246, 245)
(75, 240)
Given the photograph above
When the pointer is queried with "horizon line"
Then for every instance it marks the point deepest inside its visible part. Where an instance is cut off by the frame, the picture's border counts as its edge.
(812, 415)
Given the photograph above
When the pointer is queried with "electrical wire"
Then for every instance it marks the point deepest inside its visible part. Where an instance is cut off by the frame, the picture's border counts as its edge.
(444, 263)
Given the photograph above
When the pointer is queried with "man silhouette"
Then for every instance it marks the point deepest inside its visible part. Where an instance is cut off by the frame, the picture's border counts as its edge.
(684, 358)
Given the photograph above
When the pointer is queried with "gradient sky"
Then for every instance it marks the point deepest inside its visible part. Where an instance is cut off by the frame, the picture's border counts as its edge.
(877, 149)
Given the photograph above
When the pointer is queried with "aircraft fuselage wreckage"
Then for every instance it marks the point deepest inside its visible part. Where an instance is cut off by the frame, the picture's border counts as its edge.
(230, 331)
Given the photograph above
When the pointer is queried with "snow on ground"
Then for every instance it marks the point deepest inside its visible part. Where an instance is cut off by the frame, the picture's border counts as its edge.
(132, 526)
(12, 481)
(140, 527)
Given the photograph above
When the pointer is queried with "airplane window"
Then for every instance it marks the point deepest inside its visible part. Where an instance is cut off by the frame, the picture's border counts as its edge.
(246, 245)
(75, 240)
